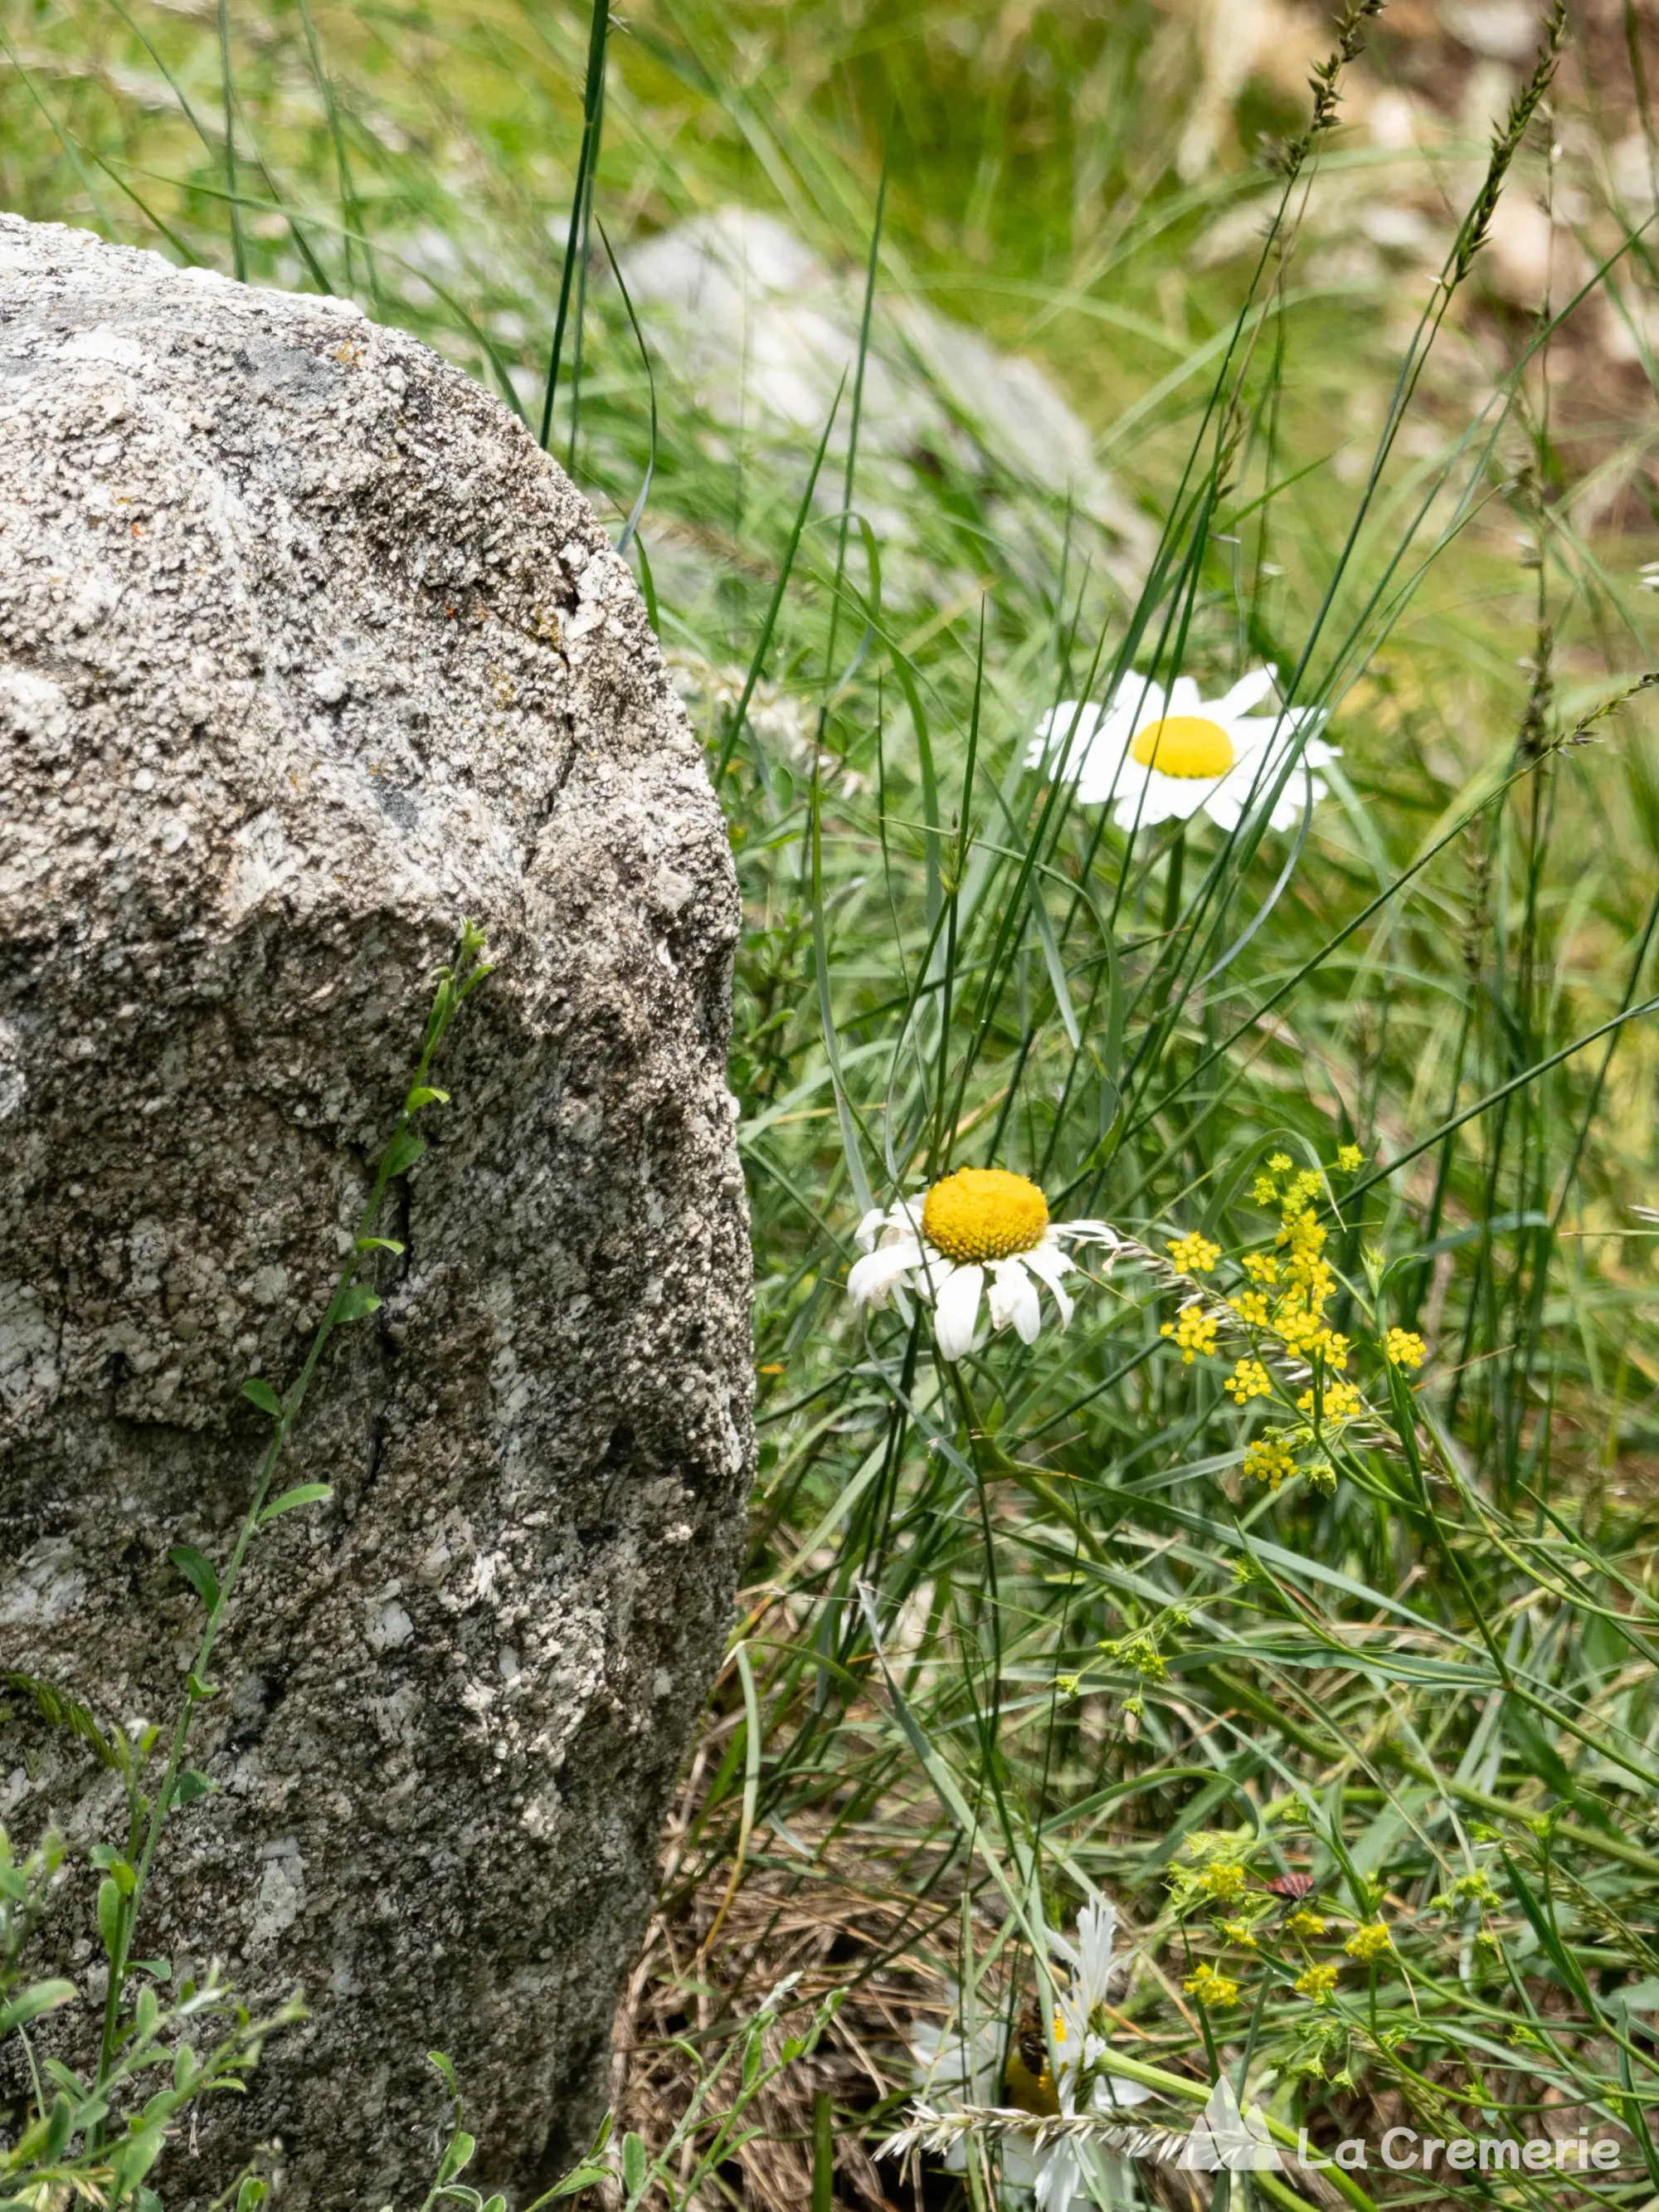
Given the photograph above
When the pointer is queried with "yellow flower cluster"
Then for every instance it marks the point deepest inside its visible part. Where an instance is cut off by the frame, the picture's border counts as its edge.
(1339, 1401)
(1193, 1330)
(1250, 1379)
(1369, 1942)
(1404, 1347)
(1223, 1880)
(1194, 1255)
(1350, 1158)
(1304, 1924)
(1315, 1984)
(1239, 1932)
(1270, 1460)
(1209, 1987)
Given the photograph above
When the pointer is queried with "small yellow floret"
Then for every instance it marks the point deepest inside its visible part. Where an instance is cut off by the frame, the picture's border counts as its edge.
(1342, 1402)
(1280, 1164)
(984, 1213)
(1250, 1379)
(1369, 1942)
(1270, 1460)
(1193, 1254)
(1350, 1158)
(1304, 1924)
(1193, 1330)
(1223, 1880)
(1315, 1984)
(1184, 745)
(1209, 1987)
(1404, 1347)
(1239, 1932)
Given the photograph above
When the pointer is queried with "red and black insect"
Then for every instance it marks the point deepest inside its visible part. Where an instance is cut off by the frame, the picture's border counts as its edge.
(1292, 1887)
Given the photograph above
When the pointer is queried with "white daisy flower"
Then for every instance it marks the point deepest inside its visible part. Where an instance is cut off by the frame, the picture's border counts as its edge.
(1160, 756)
(955, 2075)
(977, 1223)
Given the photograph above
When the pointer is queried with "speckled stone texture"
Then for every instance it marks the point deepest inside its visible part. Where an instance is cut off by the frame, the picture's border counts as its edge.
(306, 650)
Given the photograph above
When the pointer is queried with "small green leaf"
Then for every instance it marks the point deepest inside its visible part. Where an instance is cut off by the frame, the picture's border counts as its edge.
(252, 2192)
(197, 1570)
(109, 1915)
(145, 2013)
(188, 1786)
(354, 1303)
(303, 1494)
(447, 2068)
(201, 1691)
(401, 1154)
(422, 1095)
(379, 1244)
(264, 1397)
(42, 1996)
(457, 2157)
(109, 1861)
(634, 2164)
(58, 2127)
(579, 2177)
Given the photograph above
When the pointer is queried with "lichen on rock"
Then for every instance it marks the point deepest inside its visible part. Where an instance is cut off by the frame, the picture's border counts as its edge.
(306, 650)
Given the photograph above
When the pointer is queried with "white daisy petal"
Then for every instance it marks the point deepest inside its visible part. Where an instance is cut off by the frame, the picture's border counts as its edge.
(1140, 701)
(869, 1228)
(1065, 736)
(1185, 698)
(1097, 1932)
(874, 1275)
(1249, 691)
(1048, 1261)
(1111, 2095)
(1013, 1297)
(955, 1308)
(1168, 799)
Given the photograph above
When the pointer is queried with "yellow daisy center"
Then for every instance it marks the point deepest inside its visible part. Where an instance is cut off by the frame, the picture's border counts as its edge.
(1184, 745)
(984, 1213)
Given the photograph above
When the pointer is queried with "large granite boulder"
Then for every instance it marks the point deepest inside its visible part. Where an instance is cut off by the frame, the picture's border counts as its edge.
(305, 652)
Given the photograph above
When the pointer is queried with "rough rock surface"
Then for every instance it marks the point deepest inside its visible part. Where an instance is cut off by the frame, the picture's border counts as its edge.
(306, 650)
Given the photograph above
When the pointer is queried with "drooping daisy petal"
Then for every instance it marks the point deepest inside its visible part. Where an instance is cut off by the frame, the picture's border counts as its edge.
(869, 1228)
(1088, 1232)
(1013, 1297)
(956, 1309)
(874, 1275)
(1048, 1261)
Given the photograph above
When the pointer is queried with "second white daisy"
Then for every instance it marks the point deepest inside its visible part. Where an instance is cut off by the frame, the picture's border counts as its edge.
(1163, 756)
